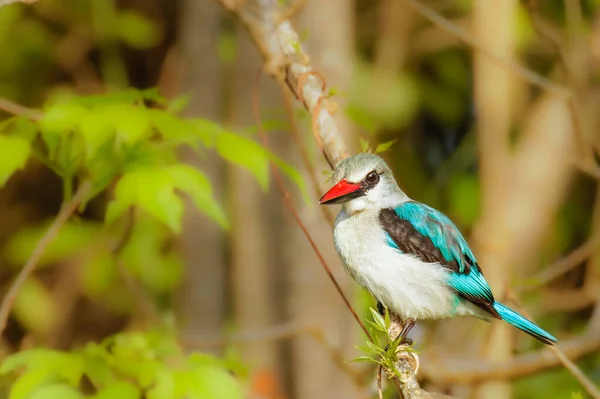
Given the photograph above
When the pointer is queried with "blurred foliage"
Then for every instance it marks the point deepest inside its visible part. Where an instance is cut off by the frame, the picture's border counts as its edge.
(119, 140)
(127, 365)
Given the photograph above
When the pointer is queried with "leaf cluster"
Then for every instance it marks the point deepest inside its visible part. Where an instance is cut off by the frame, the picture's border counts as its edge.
(130, 139)
(382, 351)
(126, 366)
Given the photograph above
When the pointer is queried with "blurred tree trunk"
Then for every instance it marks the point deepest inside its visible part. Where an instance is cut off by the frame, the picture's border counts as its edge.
(252, 271)
(523, 187)
(494, 26)
(311, 296)
(202, 298)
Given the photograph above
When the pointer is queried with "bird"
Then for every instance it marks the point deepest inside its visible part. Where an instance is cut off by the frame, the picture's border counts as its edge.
(411, 257)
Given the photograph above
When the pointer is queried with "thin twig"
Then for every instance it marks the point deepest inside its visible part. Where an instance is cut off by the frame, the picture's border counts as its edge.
(574, 18)
(379, 387)
(457, 370)
(145, 304)
(455, 30)
(17, 109)
(289, 204)
(303, 152)
(564, 265)
(66, 211)
(271, 333)
(577, 373)
(471, 371)
(267, 333)
(585, 382)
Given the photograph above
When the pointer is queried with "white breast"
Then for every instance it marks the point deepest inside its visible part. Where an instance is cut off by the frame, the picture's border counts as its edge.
(407, 286)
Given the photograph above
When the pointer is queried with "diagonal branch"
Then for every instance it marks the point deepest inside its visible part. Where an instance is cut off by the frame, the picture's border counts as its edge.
(67, 210)
(466, 371)
(286, 61)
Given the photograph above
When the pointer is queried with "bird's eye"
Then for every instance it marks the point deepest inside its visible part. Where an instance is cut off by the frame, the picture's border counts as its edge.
(372, 177)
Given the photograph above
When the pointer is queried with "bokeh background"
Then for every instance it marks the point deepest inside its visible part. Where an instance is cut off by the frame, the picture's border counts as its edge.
(490, 115)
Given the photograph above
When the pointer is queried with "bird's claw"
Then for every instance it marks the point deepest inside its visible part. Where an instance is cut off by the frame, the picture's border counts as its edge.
(403, 352)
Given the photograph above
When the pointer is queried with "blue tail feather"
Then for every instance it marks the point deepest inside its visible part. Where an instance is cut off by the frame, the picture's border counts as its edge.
(523, 324)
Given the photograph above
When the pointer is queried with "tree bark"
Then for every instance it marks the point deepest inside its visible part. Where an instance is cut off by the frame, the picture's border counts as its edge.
(202, 298)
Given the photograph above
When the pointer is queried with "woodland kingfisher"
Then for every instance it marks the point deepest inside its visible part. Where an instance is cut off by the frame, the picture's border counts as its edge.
(409, 256)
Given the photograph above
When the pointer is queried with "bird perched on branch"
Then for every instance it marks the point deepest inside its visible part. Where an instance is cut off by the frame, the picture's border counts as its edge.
(409, 256)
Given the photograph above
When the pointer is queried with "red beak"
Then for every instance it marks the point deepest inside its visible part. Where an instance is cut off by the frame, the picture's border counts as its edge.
(342, 190)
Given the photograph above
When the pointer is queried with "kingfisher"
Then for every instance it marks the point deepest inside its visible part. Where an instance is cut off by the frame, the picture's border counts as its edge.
(409, 256)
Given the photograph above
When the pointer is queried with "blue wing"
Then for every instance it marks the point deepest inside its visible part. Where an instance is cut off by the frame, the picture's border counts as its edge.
(430, 235)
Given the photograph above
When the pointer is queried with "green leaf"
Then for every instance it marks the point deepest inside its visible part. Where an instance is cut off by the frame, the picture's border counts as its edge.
(464, 198)
(68, 366)
(365, 359)
(370, 348)
(59, 391)
(379, 321)
(35, 307)
(99, 274)
(245, 153)
(120, 390)
(207, 382)
(194, 183)
(59, 120)
(26, 384)
(96, 366)
(178, 104)
(24, 128)
(96, 130)
(137, 30)
(376, 326)
(164, 386)
(206, 131)
(382, 100)
(15, 361)
(14, 152)
(383, 147)
(388, 320)
(152, 190)
(131, 122)
(171, 127)
(72, 238)
(227, 47)
(293, 174)
(364, 145)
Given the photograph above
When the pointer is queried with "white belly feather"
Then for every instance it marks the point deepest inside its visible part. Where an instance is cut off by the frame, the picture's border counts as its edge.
(408, 287)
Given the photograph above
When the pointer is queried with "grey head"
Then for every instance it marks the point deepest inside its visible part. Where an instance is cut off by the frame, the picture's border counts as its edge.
(363, 182)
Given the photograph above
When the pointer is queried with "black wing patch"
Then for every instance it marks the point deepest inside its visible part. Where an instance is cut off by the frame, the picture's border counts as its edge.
(410, 241)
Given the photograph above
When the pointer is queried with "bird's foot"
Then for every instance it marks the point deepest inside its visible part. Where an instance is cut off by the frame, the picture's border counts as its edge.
(405, 327)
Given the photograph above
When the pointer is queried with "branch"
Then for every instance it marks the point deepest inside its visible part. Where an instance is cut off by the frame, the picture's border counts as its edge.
(17, 109)
(466, 371)
(286, 61)
(566, 264)
(407, 382)
(67, 210)
(562, 357)
(526, 74)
